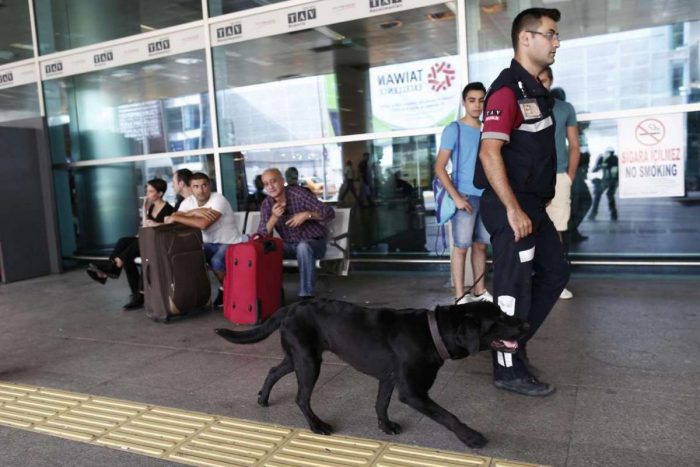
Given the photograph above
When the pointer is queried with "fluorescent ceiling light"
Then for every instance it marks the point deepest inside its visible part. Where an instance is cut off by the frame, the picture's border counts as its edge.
(153, 67)
(188, 61)
(258, 62)
(329, 33)
(146, 28)
(17, 45)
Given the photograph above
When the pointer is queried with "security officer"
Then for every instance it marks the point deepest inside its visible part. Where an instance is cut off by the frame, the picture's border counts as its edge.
(517, 168)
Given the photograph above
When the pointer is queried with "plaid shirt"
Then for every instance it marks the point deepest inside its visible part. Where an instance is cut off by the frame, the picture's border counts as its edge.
(298, 200)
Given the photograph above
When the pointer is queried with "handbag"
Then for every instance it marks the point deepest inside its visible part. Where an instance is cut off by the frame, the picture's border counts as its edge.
(445, 207)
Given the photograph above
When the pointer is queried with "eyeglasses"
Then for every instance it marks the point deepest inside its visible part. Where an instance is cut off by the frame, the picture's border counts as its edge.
(549, 35)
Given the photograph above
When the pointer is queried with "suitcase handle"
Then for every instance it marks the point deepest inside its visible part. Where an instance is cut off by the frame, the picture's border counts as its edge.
(269, 245)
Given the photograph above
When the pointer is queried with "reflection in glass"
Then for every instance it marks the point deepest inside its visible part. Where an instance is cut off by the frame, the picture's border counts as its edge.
(156, 106)
(603, 222)
(382, 180)
(618, 61)
(15, 32)
(317, 168)
(68, 24)
(380, 73)
(222, 7)
(18, 103)
(98, 205)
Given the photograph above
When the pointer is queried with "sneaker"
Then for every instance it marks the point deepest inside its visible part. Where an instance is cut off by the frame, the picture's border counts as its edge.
(566, 294)
(463, 300)
(484, 297)
(526, 386)
(135, 303)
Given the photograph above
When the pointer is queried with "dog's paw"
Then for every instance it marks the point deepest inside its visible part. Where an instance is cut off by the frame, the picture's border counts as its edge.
(476, 440)
(322, 428)
(390, 428)
(262, 401)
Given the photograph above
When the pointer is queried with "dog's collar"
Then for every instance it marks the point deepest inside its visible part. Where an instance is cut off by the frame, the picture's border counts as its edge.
(437, 339)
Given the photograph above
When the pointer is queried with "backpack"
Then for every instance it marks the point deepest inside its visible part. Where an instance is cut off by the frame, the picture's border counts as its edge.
(444, 204)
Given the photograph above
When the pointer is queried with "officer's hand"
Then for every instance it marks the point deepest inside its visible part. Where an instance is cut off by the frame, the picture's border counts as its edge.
(463, 203)
(520, 223)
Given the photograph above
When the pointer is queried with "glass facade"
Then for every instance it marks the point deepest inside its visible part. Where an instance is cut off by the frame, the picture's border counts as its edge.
(151, 107)
(69, 24)
(222, 7)
(348, 78)
(99, 204)
(18, 103)
(355, 102)
(15, 32)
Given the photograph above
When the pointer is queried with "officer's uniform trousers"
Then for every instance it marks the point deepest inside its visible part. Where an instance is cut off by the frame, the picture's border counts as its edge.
(529, 275)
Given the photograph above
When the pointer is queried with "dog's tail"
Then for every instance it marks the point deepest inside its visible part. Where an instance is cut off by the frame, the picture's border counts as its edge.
(256, 334)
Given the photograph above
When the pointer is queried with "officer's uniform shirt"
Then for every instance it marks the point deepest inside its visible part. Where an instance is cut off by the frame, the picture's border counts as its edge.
(502, 115)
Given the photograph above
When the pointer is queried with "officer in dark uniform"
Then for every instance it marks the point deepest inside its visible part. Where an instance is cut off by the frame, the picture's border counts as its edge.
(517, 168)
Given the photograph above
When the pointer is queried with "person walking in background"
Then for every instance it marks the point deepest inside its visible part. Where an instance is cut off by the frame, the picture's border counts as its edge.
(581, 199)
(566, 139)
(460, 142)
(348, 183)
(366, 181)
(154, 212)
(608, 164)
(517, 168)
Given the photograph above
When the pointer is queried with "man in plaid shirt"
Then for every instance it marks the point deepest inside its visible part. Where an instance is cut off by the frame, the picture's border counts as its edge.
(299, 218)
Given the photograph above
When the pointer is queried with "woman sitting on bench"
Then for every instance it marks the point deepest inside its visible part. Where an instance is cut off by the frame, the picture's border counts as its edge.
(155, 209)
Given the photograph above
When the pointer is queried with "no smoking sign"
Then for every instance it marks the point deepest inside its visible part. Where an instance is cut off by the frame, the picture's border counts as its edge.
(650, 132)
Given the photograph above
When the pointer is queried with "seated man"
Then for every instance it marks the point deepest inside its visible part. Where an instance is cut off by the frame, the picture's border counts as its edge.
(212, 213)
(181, 186)
(298, 216)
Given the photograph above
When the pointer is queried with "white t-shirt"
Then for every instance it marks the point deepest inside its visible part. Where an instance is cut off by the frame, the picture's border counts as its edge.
(223, 230)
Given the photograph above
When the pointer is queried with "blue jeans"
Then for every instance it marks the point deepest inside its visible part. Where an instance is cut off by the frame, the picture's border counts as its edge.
(468, 228)
(306, 253)
(216, 255)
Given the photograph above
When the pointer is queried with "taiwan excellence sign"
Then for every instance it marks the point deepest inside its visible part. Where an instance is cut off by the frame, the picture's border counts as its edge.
(652, 156)
(418, 94)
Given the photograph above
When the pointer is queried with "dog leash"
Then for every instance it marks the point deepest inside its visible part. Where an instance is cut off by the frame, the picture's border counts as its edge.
(483, 274)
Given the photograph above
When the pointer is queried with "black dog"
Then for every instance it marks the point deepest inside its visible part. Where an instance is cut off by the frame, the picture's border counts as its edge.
(394, 346)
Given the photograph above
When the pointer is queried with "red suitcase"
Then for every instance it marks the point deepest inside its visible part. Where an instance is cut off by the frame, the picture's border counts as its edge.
(253, 286)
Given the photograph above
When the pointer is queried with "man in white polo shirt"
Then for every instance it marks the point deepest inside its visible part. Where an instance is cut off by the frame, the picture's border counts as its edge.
(212, 213)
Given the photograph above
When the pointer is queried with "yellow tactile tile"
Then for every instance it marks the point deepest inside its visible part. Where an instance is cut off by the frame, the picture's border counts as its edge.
(206, 440)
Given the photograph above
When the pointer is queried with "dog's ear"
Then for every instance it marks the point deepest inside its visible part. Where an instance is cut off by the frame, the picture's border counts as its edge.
(486, 323)
(468, 336)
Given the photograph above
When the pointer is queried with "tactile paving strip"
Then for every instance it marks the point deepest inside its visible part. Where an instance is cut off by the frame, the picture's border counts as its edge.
(206, 440)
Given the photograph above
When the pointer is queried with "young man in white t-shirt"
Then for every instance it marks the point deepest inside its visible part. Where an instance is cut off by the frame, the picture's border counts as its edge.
(212, 213)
